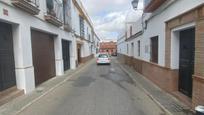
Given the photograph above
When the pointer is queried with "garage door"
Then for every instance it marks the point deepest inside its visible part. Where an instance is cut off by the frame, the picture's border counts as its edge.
(7, 66)
(66, 54)
(43, 56)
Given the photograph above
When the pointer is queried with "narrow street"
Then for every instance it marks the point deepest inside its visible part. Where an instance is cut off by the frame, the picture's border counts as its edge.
(97, 90)
(49, 51)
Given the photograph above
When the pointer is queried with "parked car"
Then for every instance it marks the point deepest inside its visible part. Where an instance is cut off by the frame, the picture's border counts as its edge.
(103, 58)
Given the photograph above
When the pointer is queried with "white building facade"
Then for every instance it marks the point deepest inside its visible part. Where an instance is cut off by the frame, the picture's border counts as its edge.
(84, 32)
(166, 47)
(38, 41)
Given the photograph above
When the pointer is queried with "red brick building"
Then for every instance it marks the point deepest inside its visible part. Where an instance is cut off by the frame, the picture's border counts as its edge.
(109, 47)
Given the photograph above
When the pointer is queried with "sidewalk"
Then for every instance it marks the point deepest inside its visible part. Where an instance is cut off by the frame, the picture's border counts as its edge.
(167, 102)
(20, 103)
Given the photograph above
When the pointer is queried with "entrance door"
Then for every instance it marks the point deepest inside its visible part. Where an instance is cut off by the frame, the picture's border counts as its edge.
(79, 53)
(186, 61)
(7, 66)
(66, 54)
(43, 56)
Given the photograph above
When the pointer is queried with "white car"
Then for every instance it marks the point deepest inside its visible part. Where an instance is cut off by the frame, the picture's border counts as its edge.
(103, 58)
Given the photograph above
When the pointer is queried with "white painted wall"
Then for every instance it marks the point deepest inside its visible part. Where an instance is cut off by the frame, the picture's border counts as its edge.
(22, 24)
(132, 50)
(96, 45)
(156, 27)
(122, 45)
(86, 46)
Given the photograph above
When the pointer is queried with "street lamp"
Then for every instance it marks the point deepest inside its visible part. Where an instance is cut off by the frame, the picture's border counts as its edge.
(135, 7)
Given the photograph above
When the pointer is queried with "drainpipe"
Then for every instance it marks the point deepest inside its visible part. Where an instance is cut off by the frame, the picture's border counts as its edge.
(158, 11)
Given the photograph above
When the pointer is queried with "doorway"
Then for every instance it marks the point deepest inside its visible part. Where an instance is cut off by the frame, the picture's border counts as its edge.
(66, 54)
(186, 60)
(79, 53)
(43, 56)
(7, 65)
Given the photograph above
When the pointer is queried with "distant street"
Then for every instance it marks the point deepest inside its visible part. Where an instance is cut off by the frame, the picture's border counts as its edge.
(98, 90)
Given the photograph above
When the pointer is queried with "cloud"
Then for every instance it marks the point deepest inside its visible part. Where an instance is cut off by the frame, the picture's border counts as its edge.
(109, 16)
(98, 7)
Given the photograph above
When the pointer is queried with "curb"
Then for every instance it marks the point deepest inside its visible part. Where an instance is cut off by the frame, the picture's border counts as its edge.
(56, 86)
(146, 92)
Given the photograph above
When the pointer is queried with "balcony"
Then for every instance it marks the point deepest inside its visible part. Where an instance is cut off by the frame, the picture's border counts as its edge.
(30, 6)
(54, 13)
(152, 5)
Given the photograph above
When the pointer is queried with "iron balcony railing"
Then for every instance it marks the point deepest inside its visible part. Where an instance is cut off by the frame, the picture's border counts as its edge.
(30, 6)
(34, 2)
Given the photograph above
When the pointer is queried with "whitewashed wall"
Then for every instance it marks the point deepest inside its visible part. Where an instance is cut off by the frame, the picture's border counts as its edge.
(22, 24)
(85, 51)
(122, 45)
(125, 47)
(156, 27)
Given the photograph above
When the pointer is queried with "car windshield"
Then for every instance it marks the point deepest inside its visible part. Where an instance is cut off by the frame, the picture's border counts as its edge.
(103, 56)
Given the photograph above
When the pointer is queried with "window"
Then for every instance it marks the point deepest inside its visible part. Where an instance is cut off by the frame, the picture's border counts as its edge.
(154, 49)
(50, 5)
(103, 56)
(138, 45)
(89, 37)
(127, 49)
(81, 21)
(130, 30)
(66, 12)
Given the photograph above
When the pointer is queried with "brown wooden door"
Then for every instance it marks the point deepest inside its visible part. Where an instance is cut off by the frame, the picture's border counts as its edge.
(43, 56)
(7, 66)
(186, 61)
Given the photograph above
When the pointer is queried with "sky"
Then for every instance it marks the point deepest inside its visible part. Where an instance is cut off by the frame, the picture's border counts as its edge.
(109, 16)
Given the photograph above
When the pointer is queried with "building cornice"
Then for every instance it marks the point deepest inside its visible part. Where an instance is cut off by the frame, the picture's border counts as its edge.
(81, 38)
(134, 36)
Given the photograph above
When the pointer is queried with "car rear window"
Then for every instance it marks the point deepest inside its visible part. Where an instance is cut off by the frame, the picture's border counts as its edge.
(103, 56)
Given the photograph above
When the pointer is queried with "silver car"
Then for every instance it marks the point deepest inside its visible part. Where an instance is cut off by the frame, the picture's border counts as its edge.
(103, 58)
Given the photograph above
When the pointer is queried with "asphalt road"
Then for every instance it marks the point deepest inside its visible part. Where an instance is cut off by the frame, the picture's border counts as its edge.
(97, 90)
